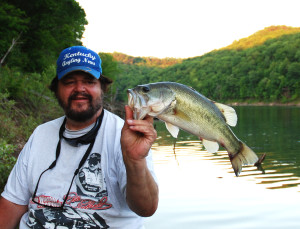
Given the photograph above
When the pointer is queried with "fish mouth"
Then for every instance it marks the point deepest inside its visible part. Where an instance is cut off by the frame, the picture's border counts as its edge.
(131, 98)
(138, 104)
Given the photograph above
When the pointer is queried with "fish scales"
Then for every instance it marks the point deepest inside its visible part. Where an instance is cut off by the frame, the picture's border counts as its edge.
(203, 115)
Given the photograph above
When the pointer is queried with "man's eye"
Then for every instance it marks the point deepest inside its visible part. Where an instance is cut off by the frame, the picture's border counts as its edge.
(68, 82)
(89, 82)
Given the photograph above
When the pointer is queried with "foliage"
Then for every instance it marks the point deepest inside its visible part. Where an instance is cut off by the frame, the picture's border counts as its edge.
(13, 22)
(24, 98)
(109, 65)
(7, 161)
(132, 75)
(7, 127)
(261, 36)
(269, 72)
(7, 124)
(46, 27)
(145, 61)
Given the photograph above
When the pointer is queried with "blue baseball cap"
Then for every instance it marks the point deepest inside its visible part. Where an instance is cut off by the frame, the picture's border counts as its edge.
(78, 58)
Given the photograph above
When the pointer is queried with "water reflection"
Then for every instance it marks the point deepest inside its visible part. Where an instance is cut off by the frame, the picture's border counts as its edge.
(270, 130)
(189, 154)
(274, 130)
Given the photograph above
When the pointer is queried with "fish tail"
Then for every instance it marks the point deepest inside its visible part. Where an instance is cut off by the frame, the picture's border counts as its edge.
(245, 156)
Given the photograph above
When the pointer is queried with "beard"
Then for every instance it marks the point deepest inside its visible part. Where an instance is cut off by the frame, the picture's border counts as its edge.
(81, 116)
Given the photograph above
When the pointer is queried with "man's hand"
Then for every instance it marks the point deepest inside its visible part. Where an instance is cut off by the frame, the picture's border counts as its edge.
(137, 136)
(136, 141)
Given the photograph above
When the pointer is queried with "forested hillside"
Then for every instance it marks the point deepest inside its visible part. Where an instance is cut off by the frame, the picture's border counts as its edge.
(261, 36)
(34, 32)
(269, 72)
(145, 61)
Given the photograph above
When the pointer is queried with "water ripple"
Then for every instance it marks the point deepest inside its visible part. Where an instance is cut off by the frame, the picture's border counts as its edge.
(190, 155)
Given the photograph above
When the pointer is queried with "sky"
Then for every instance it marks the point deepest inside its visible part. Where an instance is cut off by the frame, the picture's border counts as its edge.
(179, 28)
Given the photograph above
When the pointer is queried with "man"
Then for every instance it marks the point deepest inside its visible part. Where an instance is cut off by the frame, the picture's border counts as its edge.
(51, 176)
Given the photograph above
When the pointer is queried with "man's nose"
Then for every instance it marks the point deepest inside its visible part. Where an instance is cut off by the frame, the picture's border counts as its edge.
(79, 86)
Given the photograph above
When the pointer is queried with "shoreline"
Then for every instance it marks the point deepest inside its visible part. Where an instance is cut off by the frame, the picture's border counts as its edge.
(271, 104)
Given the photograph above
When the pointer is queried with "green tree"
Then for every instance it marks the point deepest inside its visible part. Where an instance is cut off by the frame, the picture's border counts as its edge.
(13, 23)
(111, 70)
(293, 80)
(109, 65)
(52, 26)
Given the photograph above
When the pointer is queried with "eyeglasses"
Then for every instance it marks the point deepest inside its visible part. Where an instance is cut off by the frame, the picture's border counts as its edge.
(59, 204)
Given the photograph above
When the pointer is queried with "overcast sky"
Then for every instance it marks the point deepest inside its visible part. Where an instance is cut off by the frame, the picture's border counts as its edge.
(181, 29)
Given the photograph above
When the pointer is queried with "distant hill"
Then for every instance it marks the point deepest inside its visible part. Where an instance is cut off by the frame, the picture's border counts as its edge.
(145, 61)
(267, 71)
(255, 39)
(261, 36)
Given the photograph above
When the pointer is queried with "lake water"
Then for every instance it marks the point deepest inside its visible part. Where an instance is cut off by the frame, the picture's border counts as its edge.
(200, 190)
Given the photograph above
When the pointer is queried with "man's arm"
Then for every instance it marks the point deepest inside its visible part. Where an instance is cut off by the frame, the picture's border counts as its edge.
(136, 141)
(10, 214)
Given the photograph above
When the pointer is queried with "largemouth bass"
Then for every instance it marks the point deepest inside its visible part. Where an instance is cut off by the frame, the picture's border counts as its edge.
(182, 107)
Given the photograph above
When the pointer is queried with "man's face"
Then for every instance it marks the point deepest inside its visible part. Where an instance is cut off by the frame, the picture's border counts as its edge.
(80, 95)
(94, 165)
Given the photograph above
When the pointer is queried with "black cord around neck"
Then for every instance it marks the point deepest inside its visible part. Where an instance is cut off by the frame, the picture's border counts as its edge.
(86, 138)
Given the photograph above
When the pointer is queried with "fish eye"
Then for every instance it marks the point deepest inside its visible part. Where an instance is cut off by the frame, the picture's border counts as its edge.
(145, 89)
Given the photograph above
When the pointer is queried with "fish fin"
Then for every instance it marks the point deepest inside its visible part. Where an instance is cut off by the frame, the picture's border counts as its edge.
(174, 130)
(210, 146)
(229, 114)
(244, 157)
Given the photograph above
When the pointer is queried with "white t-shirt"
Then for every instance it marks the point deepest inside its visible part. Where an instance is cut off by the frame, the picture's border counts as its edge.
(97, 197)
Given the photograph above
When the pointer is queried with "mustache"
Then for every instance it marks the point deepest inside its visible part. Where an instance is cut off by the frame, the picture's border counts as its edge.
(81, 94)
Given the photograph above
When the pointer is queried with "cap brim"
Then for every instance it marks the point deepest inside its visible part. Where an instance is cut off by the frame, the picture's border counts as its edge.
(90, 71)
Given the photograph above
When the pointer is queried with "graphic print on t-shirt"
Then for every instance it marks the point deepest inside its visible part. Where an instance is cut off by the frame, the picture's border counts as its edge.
(91, 194)
(68, 218)
(90, 181)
